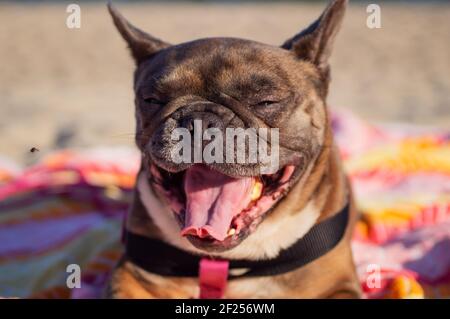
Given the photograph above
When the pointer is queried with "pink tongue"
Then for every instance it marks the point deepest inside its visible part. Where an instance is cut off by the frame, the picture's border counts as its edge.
(213, 199)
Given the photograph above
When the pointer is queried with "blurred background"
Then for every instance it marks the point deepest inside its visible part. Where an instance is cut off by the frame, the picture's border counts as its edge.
(64, 87)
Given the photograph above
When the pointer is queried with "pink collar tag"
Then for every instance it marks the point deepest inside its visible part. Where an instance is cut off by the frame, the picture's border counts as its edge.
(213, 275)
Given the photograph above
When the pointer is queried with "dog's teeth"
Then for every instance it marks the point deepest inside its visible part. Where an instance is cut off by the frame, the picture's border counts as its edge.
(231, 232)
(257, 190)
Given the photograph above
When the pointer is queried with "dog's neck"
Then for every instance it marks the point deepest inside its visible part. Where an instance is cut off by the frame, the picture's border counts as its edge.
(318, 194)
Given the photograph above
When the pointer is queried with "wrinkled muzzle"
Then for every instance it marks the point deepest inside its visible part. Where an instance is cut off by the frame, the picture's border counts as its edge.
(211, 134)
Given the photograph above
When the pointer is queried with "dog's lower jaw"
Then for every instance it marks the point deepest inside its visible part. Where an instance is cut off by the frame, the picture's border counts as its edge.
(256, 246)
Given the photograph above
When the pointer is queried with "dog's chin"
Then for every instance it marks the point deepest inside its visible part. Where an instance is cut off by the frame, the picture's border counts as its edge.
(245, 213)
(217, 246)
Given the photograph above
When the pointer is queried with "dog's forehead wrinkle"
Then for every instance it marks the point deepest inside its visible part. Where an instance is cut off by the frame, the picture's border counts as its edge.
(222, 50)
(240, 68)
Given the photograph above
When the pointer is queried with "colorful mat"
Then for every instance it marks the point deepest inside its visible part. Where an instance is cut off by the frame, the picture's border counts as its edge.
(68, 209)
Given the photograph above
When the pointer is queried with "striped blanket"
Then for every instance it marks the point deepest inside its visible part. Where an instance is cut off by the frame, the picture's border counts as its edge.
(68, 209)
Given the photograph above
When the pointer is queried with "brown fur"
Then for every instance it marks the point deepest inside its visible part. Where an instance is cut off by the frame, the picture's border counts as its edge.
(228, 78)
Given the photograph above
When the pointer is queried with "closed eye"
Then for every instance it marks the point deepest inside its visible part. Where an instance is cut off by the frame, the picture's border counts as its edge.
(153, 101)
(149, 96)
(266, 103)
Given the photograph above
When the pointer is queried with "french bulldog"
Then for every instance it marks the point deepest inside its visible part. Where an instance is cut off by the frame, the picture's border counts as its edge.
(237, 210)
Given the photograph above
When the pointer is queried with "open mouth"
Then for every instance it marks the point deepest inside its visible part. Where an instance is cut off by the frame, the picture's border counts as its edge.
(216, 210)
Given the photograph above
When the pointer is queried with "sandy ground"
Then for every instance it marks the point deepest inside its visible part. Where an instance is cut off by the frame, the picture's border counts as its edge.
(61, 86)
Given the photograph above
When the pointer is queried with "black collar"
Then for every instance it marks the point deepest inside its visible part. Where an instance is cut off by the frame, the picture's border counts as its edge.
(163, 259)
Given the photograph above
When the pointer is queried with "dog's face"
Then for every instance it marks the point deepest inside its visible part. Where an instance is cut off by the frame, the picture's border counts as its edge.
(216, 86)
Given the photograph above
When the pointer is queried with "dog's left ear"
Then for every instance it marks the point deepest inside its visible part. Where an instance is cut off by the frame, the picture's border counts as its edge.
(142, 45)
(315, 42)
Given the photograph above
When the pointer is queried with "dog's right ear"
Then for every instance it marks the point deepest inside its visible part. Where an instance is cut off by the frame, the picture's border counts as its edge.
(315, 42)
(142, 45)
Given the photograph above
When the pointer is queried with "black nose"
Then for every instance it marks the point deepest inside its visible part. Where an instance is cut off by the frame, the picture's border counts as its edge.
(201, 121)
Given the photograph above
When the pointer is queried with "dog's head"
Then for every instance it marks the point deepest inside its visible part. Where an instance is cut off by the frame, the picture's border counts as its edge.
(199, 93)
